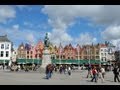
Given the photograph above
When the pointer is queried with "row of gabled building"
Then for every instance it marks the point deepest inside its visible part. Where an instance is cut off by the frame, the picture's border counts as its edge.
(103, 52)
(68, 52)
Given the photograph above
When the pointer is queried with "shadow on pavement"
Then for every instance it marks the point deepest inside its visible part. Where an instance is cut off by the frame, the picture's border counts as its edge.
(88, 80)
(109, 80)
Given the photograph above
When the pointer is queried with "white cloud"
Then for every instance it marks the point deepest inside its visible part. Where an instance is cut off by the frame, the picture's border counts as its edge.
(16, 35)
(67, 13)
(6, 12)
(57, 37)
(16, 26)
(111, 32)
(22, 6)
(85, 38)
(28, 24)
(103, 14)
(30, 38)
(61, 17)
(116, 42)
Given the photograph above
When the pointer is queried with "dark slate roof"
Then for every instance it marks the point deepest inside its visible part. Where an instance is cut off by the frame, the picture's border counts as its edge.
(4, 38)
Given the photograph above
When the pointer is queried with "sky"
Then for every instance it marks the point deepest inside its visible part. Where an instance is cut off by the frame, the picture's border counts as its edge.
(65, 24)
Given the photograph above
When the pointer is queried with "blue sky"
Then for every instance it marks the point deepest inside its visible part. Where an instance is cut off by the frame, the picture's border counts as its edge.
(83, 24)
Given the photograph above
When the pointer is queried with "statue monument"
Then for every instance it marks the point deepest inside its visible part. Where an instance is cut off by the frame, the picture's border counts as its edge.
(46, 58)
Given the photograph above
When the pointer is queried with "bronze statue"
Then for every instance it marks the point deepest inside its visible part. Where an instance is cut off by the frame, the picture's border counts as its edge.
(46, 40)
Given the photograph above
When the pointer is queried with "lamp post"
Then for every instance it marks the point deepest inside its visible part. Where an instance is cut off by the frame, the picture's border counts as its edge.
(60, 55)
(118, 49)
(78, 55)
(110, 52)
(89, 54)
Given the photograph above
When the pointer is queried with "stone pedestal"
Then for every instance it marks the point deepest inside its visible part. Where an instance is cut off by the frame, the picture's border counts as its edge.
(46, 59)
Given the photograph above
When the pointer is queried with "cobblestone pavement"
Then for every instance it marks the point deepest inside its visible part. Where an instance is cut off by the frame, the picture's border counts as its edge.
(37, 78)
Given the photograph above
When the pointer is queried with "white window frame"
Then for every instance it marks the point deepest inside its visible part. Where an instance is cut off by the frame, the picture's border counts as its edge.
(2, 46)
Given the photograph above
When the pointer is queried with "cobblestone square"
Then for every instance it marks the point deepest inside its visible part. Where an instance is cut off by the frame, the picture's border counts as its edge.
(37, 78)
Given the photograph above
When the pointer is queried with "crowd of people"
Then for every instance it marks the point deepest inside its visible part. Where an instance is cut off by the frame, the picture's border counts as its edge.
(62, 69)
(96, 73)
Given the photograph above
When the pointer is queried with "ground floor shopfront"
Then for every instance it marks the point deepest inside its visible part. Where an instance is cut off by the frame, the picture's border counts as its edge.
(55, 61)
(4, 61)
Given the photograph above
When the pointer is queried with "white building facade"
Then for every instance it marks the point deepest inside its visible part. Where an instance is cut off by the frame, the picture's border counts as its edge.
(103, 54)
(107, 53)
(14, 55)
(5, 49)
(111, 53)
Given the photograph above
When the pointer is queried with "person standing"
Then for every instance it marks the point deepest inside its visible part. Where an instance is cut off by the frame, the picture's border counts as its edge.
(116, 73)
(69, 70)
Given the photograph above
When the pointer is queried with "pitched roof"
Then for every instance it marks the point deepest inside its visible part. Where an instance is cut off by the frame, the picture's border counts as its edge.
(4, 39)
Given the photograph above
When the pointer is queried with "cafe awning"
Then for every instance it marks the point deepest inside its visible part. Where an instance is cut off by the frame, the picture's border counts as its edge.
(26, 61)
(4, 61)
(57, 61)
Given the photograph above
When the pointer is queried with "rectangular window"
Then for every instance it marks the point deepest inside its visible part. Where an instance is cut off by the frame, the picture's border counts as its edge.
(102, 54)
(27, 52)
(31, 52)
(61, 57)
(104, 50)
(102, 59)
(2, 53)
(57, 57)
(7, 46)
(68, 57)
(105, 54)
(28, 57)
(105, 59)
(2, 46)
(97, 52)
(7, 53)
(31, 57)
(97, 57)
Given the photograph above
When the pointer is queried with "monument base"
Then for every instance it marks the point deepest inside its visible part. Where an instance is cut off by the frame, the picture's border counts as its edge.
(46, 59)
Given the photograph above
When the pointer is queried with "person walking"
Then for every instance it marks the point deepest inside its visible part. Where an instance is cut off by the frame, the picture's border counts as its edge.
(94, 72)
(103, 72)
(89, 71)
(116, 73)
(100, 74)
(60, 69)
